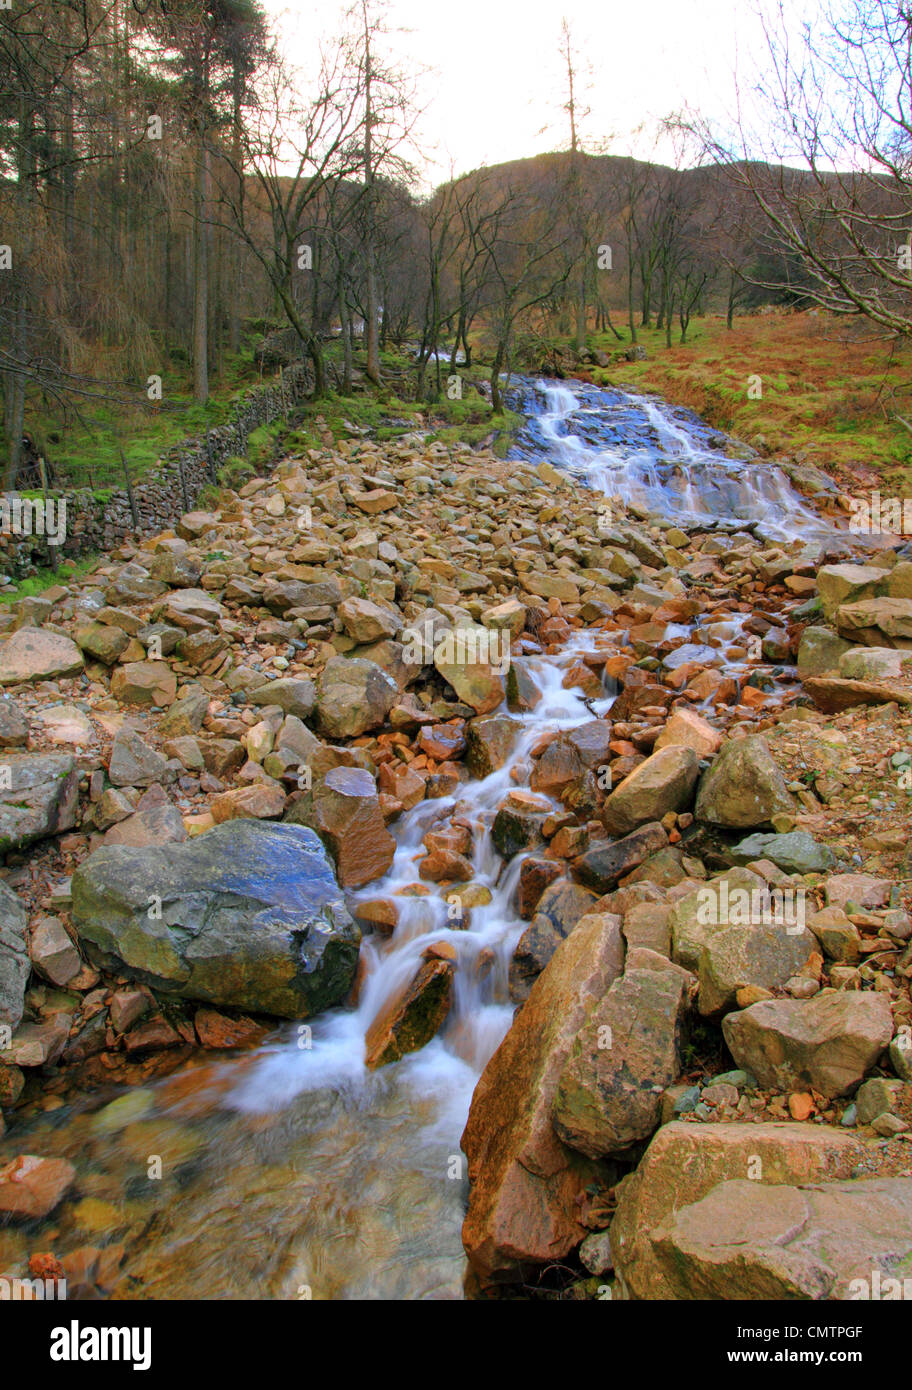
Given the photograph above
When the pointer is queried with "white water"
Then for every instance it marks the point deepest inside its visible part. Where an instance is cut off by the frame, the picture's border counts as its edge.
(677, 477)
(481, 1012)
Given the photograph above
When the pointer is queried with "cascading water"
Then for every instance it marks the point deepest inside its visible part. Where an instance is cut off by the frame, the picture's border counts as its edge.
(294, 1170)
(633, 449)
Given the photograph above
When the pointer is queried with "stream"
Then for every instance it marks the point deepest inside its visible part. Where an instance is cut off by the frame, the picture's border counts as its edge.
(293, 1171)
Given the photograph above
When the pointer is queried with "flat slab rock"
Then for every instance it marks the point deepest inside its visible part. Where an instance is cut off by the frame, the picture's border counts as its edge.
(251, 917)
(32, 654)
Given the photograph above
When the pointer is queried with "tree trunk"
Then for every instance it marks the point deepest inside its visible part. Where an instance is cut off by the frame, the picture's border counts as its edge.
(201, 280)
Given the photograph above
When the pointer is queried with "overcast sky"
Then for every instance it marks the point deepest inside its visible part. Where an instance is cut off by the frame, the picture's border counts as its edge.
(495, 74)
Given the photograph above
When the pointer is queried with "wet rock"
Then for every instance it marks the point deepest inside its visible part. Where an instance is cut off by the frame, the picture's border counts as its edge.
(534, 877)
(353, 696)
(490, 742)
(40, 800)
(743, 789)
(14, 958)
(519, 823)
(525, 1185)
(664, 782)
(33, 654)
(608, 1095)
(828, 1042)
(214, 1030)
(686, 1161)
(603, 866)
(251, 917)
(442, 741)
(31, 1187)
(344, 810)
(590, 741)
(413, 1017)
(560, 908)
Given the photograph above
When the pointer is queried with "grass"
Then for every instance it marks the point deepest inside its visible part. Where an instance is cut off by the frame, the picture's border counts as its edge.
(36, 584)
(829, 391)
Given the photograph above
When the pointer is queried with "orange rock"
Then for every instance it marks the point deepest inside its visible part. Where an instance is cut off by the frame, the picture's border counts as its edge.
(413, 1017)
(801, 1105)
(215, 1030)
(31, 1186)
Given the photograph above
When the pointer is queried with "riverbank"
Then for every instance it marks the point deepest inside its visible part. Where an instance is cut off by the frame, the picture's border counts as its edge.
(415, 693)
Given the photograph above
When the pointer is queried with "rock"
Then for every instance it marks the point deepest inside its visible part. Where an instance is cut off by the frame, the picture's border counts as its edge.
(144, 683)
(296, 697)
(33, 654)
(353, 696)
(413, 1017)
(40, 800)
(595, 1253)
(760, 953)
(127, 1007)
(191, 609)
(838, 936)
(664, 782)
(474, 680)
(730, 900)
(819, 652)
(833, 695)
(743, 789)
(685, 1161)
(31, 1187)
(786, 1242)
(510, 615)
(133, 763)
(601, 867)
(864, 890)
(442, 741)
(367, 621)
(14, 728)
(260, 800)
(214, 1030)
(561, 906)
(591, 742)
(870, 621)
(52, 952)
(344, 810)
(901, 1054)
(102, 642)
(686, 729)
(519, 823)
(876, 1097)
(65, 724)
(609, 1092)
(14, 958)
(490, 742)
(871, 664)
(525, 1185)
(839, 584)
(828, 1042)
(794, 853)
(251, 918)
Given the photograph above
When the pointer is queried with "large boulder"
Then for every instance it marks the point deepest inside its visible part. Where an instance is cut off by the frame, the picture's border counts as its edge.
(14, 957)
(764, 953)
(33, 654)
(664, 782)
(828, 1042)
(525, 1185)
(877, 622)
(744, 788)
(248, 915)
(602, 866)
(38, 797)
(609, 1092)
(353, 696)
(820, 652)
(295, 697)
(825, 1241)
(685, 1161)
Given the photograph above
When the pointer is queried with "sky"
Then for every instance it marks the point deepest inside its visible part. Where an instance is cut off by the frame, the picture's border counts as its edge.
(492, 91)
